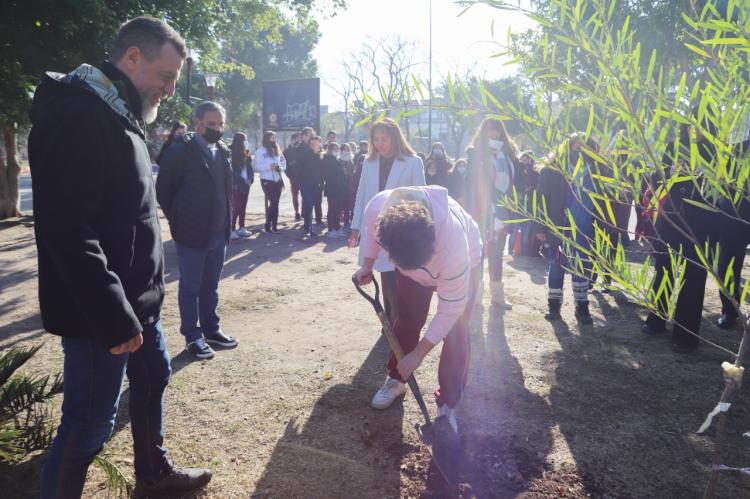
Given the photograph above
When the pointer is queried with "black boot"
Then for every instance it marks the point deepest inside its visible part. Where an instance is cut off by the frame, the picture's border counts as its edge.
(727, 321)
(582, 313)
(175, 481)
(554, 310)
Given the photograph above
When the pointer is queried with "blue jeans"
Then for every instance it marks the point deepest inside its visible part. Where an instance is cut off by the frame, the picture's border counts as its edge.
(310, 193)
(198, 295)
(92, 383)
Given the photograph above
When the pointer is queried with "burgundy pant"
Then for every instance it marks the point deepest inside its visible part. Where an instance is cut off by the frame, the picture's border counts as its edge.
(239, 205)
(295, 196)
(413, 301)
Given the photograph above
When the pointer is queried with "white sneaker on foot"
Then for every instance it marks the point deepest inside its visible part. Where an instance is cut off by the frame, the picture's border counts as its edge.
(391, 390)
(233, 235)
(243, 232)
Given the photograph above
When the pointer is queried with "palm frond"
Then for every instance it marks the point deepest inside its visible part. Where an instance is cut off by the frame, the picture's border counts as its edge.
(117, 483)
(13, 358)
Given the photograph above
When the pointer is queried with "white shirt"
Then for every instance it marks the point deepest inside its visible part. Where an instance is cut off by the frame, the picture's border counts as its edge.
(263, 162)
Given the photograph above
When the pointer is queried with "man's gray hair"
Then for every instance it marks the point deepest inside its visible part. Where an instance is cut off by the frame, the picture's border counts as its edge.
(207, 106)
(149, 35)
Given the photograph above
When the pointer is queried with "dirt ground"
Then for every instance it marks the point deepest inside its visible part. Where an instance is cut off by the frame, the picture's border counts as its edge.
(551, 409)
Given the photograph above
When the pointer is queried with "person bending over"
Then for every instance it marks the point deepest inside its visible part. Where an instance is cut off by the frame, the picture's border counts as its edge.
(436, 247)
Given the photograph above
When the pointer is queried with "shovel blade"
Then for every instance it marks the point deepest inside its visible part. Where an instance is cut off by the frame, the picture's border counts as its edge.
(444, 446)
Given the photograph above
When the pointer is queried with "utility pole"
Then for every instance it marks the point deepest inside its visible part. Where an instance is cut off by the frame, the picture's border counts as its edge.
(429, 119)
(189, 77)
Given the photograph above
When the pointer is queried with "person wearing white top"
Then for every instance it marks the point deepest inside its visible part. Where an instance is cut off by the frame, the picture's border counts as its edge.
(269, 163)
(391, 163)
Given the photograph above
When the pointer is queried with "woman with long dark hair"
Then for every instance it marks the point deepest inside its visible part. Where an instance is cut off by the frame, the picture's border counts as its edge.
(269, 163)
(178, 131)
(493, 172)
(242, 178)
(437, 166)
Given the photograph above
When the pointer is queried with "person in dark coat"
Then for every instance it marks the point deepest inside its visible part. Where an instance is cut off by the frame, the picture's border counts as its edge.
(100, 255)
(309, 176)
(565, 184)
(457, 181)
(530, 245)
(679, 226)
(734, 236)
(242, 179)
(437, 166)
(178, 131)
(334, 189)
(352, 182)
(290, 155)
(194, 189)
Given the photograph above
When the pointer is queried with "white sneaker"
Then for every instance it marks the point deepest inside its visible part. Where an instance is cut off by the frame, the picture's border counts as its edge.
(450, 414)
(243, 232)
(233, 235)
(392, 389)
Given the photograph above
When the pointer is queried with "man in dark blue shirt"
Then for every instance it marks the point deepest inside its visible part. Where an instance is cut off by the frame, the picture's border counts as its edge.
(193, 189)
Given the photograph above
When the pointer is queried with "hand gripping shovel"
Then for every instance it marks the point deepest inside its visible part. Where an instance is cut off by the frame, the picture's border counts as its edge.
(440, 438)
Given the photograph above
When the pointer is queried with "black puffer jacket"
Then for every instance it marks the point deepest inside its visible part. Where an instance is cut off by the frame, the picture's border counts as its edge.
(185, 190)
(97, 228)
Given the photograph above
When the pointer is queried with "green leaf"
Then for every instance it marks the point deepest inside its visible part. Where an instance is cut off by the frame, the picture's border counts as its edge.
(539, 19)
(651, 64)
(726, 41)
(698, 50)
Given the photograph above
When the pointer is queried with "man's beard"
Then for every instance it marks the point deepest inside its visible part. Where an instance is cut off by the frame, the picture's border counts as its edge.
(148, 109)
(149, 112)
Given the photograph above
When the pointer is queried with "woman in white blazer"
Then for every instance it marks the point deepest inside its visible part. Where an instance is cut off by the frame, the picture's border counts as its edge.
(391, 163)
(270, 162)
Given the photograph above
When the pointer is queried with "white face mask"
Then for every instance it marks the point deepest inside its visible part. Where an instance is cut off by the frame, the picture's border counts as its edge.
(437, 153)
(496, 144)
(247, 145)
(346, 156)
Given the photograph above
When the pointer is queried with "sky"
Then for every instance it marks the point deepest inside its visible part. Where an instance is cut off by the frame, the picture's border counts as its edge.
(457, 42)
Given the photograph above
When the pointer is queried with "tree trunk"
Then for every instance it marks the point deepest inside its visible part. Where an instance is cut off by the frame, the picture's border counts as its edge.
(721, 427)
(9, 171)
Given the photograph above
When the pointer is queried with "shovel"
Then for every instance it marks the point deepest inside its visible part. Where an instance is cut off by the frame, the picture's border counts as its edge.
(439, 437)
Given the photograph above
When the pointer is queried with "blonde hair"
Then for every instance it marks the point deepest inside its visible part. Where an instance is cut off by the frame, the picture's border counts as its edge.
(394, 131)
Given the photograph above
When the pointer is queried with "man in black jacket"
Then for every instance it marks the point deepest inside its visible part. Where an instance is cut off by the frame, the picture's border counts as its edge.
(194, 188)
(309, 177)
(290, 155)
(100, 254)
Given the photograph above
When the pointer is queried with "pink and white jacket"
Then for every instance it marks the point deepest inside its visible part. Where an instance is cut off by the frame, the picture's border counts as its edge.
(458, 248)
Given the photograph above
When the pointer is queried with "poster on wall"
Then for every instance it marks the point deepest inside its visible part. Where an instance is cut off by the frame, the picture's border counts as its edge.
(289, 105)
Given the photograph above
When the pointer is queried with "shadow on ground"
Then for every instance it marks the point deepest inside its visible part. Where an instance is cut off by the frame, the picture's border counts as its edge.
(345, 448)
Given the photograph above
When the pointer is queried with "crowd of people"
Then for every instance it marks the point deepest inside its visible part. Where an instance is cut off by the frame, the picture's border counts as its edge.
(424, 223)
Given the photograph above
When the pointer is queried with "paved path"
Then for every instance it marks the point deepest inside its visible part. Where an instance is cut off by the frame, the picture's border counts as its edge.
(254, 205)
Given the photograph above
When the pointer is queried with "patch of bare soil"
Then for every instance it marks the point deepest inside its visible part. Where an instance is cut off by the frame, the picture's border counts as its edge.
(550, 410)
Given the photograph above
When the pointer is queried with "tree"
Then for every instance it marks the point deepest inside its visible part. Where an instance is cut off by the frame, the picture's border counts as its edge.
(275, 43)
(58, 35)
(380, 77)
(636, 98)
